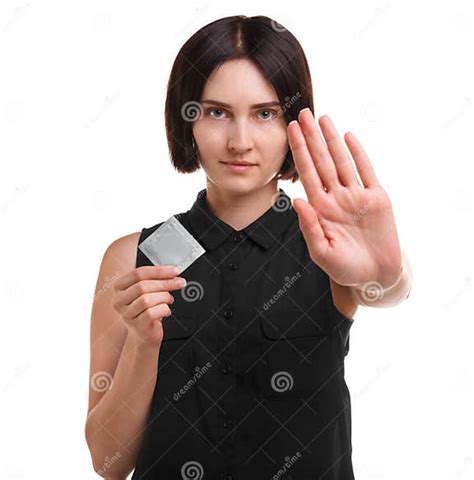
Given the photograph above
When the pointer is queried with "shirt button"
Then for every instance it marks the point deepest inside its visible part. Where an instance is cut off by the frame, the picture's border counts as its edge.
(226, 368)
(238, 237)
(228, 313)
(228, 423)
(232, 266)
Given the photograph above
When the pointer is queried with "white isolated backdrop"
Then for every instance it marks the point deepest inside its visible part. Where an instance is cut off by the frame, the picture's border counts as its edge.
(84, 161)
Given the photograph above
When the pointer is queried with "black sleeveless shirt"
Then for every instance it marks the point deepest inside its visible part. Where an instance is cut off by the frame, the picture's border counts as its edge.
(250, 380)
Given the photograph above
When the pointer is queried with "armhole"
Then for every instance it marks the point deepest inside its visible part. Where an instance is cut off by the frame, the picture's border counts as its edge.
(141, 258)
(340, 322)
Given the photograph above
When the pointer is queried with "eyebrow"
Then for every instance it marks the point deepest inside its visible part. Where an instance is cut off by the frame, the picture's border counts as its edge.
(255, 105)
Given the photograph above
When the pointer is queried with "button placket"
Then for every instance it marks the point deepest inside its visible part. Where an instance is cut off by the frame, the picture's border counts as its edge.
(236, 252)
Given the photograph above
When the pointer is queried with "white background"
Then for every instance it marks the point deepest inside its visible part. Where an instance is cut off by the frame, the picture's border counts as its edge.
(84, 161)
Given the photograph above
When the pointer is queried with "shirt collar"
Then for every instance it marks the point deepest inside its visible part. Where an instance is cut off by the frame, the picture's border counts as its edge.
(212, 231)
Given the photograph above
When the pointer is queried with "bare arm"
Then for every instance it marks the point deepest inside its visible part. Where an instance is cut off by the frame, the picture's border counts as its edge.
(115, 426)
(123, 370)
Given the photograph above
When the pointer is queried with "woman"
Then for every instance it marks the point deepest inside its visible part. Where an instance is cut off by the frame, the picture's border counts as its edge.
(240, 373)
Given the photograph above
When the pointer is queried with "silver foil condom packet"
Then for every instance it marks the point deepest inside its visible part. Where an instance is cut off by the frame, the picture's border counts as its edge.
(172, 244)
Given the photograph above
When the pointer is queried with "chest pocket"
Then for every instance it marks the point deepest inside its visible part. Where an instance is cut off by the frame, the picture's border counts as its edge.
(176, 361)
(298, 358)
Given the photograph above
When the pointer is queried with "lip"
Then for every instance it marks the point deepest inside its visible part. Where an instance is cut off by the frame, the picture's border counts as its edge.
(240, 163)
(239, 167)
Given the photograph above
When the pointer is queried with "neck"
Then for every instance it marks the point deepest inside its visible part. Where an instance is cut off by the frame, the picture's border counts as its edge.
(240, 209)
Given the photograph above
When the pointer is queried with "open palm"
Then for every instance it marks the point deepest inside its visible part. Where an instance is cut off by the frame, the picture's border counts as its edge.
(349, 227)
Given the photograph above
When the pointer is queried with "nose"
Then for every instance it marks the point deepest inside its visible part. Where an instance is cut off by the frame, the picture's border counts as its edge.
(240, 138)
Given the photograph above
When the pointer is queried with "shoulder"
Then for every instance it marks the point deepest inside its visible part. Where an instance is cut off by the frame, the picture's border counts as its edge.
(123, 251)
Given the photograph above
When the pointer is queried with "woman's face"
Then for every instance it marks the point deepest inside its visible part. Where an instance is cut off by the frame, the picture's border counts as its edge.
(232, 128)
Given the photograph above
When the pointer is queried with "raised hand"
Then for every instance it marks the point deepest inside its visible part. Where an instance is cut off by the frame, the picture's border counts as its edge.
(348, 225)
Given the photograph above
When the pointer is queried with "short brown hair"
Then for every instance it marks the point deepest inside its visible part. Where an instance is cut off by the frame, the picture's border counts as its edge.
(270, 46)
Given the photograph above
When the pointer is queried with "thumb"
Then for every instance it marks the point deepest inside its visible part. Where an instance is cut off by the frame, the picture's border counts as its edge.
(306, 213)
(308, 220)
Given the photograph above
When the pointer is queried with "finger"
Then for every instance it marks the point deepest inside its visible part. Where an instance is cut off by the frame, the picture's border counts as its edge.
(147, 286)
(303, 162)
(148, 272)
(158, 312)
(341, 157)
(317, 148)
(361, 160)
(148, 300)
(310, 226)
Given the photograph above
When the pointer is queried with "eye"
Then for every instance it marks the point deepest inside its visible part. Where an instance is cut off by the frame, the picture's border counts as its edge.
(272, 112)
(209, 110)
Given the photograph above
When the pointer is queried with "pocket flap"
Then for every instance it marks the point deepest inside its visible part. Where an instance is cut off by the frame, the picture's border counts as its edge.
(175, 327)
(291, 322)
